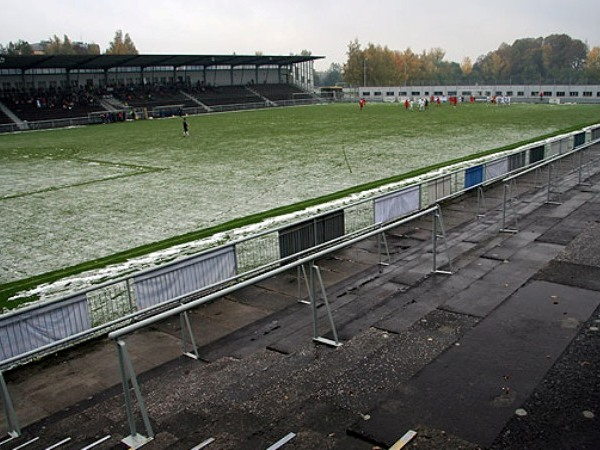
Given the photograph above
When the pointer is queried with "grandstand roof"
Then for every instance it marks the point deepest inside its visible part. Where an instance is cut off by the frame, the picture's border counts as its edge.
(71, 62)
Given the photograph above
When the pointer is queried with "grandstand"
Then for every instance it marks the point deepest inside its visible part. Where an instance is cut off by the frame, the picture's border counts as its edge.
(4, 118)
(52, 90)
(51, 104)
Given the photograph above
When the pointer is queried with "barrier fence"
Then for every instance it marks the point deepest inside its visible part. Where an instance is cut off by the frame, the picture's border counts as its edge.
(40, 329)
(389, 209)
(35, 330)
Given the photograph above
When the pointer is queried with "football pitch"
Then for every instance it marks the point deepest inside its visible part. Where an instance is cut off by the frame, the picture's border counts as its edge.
(81, 199)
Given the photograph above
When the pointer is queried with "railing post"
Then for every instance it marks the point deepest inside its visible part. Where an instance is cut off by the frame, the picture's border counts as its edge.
(134, 440)
(301, 271)
(550, 186)
(187, 337)
(9, 411)
(505, 200)
(581, 166)
(381, 237)
(481, 205)
(335, 342)
(438, 221)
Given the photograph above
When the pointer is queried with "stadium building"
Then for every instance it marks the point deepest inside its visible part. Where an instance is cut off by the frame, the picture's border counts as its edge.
(553, 93)
(45, 91)
(49, 91)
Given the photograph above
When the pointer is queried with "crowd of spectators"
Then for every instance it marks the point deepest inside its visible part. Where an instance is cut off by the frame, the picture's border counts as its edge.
(144, 93)
(160, 99)
(50, 98)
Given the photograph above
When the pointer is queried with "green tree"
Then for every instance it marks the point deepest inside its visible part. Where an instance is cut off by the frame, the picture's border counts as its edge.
(89, 49)
(526, 60)
(121, 45)
(67, 46)
(56, 46)
(19, 48)
(53, 46)
(408, 66)
(562, 52)
(331, 76)
(379, 68)
(466, 67)
(431, 63)
(593, 65)
(353, 69)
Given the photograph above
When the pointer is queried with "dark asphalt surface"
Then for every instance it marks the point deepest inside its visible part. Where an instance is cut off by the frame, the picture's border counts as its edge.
(502, 354)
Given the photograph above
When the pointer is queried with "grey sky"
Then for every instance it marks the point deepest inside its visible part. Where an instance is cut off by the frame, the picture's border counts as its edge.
(324, 27)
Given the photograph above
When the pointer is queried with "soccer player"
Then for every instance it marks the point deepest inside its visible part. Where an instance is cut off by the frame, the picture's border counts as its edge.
(186, 129)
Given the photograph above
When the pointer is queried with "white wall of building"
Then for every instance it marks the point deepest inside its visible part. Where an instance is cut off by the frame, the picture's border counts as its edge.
(551, 93)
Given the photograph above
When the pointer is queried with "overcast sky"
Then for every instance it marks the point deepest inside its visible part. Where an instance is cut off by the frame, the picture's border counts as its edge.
(282, 27)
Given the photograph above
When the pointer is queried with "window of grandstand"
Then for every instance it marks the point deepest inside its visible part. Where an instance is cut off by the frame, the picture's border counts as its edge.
(78, 71)
(366, 94)
(158, 69)
(587, 93)
(46, 71)
(415, 93)
(499, 93)
(574, 94)
(520, 94)
(403, 93)
(452, 93)
(123, 69)
(560, 93)
(377, 93)
(10, 72)
(509, 93)
(389, 94)
(547, 94)
(462, 93)
(426, 93)
(534, 93)
(438, 93)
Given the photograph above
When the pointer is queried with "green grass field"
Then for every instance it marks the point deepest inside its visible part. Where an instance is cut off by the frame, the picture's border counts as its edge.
(80, 199)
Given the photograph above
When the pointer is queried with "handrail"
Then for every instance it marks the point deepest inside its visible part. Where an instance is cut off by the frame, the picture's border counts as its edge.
(106, 319)
(157, 318)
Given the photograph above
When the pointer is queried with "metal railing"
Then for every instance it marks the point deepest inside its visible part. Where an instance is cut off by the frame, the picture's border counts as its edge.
(314, 284)
(38, 329)
(163, 291)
